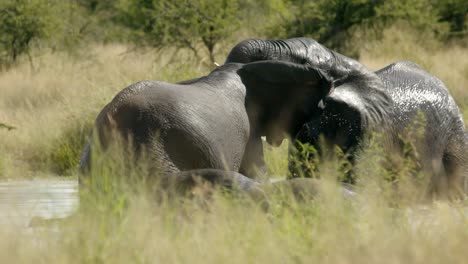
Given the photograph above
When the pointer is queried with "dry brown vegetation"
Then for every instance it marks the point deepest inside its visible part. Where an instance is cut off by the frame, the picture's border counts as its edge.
(53, 104)
(63, 93)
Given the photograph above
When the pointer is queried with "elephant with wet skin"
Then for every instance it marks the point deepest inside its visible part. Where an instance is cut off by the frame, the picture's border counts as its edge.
(206, 126)
(388, 101)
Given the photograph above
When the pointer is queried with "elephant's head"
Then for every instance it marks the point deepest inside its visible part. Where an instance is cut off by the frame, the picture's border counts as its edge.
(282, 96)
(347, 75)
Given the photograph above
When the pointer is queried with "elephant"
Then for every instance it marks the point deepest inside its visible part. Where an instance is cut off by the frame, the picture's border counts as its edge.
(302, 189)
(388, 101)
(207, 126)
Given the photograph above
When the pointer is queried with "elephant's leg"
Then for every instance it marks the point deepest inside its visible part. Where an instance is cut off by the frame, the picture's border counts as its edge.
(450, 170)
(305, 188)
(438, 185)
(85, 160)
(253, 161)
(228, 179)
(456, 166)
(202, 182)
(456, 174)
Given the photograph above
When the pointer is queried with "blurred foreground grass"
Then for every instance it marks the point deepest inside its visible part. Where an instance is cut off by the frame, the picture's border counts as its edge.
(53, 104)
(121, 221)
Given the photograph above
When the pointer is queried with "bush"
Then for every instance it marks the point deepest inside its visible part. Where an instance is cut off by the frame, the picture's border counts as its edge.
(181, 23)
(454, 12)
(333, 23)
(21, 23)
(65, 154)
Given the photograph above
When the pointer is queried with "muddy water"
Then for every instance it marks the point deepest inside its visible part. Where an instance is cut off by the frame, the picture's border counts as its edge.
(21, 201)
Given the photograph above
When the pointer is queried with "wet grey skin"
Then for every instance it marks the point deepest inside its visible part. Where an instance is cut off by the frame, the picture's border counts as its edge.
(302, 189)
(387, 101)
(211, 126)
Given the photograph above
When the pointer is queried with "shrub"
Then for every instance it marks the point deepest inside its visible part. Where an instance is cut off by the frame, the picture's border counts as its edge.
(181, 23)
(454, 12)
(21, 23)
(333, 22)
(65, 153)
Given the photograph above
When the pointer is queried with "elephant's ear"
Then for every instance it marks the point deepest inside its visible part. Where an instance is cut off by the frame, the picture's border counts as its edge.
(291, 74)
(365, 101)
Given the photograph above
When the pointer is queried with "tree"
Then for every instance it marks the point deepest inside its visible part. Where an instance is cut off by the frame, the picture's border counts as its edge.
(21, 23)
(98, 20)
(332, 22)
(181, 23)
(454, 12)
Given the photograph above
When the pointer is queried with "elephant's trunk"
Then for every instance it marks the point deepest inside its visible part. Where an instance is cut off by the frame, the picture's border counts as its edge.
(297, 50)
(257, 50)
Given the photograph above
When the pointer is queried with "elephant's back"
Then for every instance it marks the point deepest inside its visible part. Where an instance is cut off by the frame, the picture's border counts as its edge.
(407, 81)
(422, 103)
(182, 127)
(414, 90)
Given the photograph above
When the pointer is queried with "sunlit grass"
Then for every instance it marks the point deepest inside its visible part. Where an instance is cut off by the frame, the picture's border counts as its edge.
(123, 221)
(63, 93)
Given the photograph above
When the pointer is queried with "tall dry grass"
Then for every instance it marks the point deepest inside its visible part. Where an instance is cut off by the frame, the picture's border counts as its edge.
(63, 93)
(60, 96)
(122, 223)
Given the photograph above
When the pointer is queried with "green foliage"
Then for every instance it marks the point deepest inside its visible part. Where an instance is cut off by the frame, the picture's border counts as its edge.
(181, 23)
(98, 20)
(343, 25)
(396, 172)
(21, 23)
(454, 12)
(65, 154)
(60, 25)
(71, 27)
(334, 22)
(96, 6)
(304, 160)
